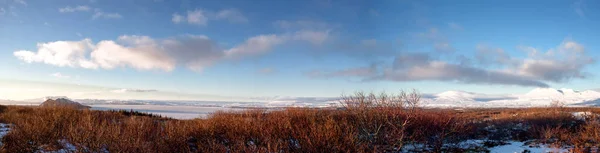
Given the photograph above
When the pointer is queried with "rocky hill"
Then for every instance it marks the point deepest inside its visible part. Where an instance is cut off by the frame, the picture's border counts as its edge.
(63, 102)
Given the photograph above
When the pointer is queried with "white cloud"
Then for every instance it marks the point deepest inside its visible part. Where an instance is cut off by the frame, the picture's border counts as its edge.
(232, 15)
(255, 45)
(196, 17)
(201, 17)
(314, 37)
(195, 52)
(100, 14)
(177, 18)
(559, 64)
(139, 52)
(59, 75)
(68, 9)
(106, 54)
(2, 11)
(60, 53)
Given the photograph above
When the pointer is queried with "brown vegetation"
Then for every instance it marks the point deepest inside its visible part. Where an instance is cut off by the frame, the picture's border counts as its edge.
(368, 123)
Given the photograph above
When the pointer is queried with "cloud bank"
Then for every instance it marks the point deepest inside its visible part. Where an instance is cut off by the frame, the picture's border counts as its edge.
(494, 66)
(195, 52)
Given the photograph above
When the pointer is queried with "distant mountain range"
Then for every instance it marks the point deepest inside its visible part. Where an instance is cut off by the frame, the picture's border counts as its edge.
(539, 97)
(535, 98)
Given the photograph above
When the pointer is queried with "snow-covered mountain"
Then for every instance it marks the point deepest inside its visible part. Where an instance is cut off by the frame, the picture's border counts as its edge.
(535, 98)
(558, 94)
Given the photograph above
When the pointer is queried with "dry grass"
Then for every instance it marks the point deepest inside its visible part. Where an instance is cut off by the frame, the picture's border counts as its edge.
(368, 123)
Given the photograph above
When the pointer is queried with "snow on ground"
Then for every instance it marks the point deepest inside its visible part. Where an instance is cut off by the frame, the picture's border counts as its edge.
(67, 147)
(177, 112)
(4, 129)
(581, 115)
(519, 147)
(513, 147)
(509, 147)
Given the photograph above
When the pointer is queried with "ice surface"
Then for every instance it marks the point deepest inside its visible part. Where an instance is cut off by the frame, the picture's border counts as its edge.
(177, 112)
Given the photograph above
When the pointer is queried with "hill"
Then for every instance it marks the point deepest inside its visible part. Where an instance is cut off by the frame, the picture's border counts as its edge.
(63, 102)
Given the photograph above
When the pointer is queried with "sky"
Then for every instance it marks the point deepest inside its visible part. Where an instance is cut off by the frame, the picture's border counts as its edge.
(234, 49)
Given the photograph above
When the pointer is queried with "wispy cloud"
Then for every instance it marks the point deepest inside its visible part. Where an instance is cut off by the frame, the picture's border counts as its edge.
(579, 8)
(101, 14)
(126, 90)
(560, 64)
(177, 18)
(201, 16)
(255, 45)
(97, 13)
(196, 17)
(21, 2)
(69, 9)
(60, 75)
(231, 15)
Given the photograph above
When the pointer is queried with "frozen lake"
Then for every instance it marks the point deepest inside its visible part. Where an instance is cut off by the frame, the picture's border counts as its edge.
(177, 112)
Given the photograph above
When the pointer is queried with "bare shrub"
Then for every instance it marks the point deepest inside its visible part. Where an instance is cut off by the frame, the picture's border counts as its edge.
(385, 123)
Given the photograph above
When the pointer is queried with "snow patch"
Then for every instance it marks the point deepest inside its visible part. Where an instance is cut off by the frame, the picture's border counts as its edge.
(4, 129)
(581, 115)
(519, 147)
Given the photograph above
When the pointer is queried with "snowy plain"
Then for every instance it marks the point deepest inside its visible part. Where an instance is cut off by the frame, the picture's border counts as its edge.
(539, 97)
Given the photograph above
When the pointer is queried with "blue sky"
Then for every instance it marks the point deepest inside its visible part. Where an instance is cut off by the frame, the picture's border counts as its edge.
(159, 49)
